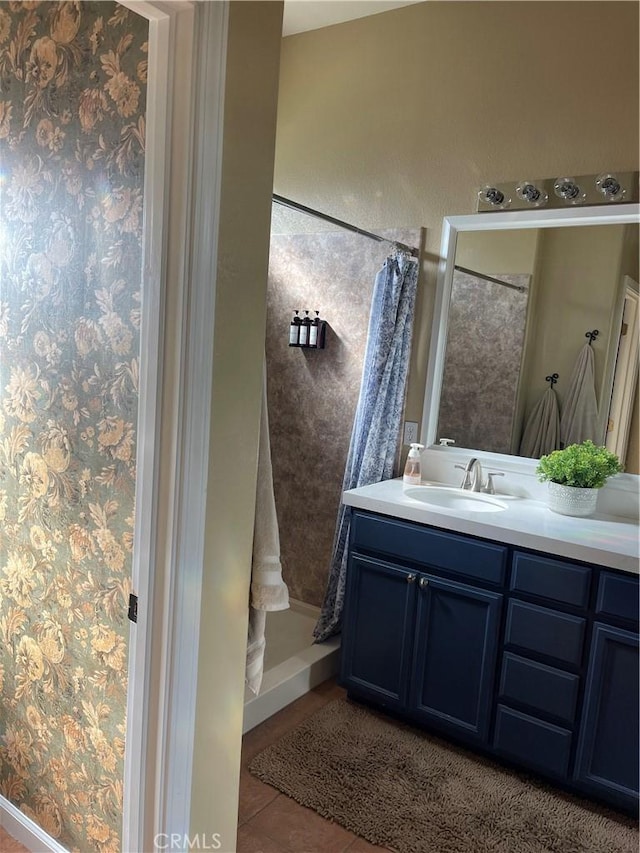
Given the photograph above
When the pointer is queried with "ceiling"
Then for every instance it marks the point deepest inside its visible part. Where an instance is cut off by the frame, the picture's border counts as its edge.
(303, 15)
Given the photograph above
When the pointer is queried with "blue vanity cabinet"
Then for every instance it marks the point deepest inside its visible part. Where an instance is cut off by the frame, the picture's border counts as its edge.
(415, 639)
(528, 657)
(456, 646)
(608, 746)
(544, 644)
(377, 631)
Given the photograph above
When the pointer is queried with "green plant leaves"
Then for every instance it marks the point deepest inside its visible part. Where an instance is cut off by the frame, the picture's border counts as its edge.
(584, 466)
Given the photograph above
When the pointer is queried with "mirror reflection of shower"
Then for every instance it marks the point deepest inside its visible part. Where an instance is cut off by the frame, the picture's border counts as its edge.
(576, 283)
(485, 343)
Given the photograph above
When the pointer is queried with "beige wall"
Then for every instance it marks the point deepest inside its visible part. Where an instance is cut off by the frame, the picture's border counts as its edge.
(498, 252)
(247, 173)
(396, 119)
(577, 290)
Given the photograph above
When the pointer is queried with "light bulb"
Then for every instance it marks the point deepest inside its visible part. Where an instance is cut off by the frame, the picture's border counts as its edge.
(493, 196)
(569, 191)
(610, 187)
(529, 192)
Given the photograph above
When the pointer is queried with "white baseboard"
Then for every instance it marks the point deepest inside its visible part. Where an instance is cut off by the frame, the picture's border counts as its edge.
(24, 830)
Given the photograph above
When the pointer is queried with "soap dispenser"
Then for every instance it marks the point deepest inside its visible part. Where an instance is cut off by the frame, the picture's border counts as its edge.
(412, 470)
(305, 327)
(294, 330)
(313, 330)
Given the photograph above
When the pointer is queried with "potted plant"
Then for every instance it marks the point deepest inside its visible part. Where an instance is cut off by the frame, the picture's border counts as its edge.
(575, 474)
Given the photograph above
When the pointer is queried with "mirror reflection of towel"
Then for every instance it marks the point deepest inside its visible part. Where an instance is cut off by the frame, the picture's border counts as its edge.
(542, 432)
(579, 419)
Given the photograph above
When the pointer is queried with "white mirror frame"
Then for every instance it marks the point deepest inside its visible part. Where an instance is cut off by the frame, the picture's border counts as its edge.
(510, 220)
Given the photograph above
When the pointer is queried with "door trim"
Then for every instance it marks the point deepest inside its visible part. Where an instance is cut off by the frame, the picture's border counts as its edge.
(625, 376)
(187, 55)
(25, 830)
(196, 246)
(186, 108)
(160, 80)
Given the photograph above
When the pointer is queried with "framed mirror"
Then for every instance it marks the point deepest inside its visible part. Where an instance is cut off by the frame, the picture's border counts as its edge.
(518, 292)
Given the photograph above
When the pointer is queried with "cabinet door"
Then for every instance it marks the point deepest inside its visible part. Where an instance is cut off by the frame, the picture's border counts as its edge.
(455, 660)
(607, 756)
(377, 630)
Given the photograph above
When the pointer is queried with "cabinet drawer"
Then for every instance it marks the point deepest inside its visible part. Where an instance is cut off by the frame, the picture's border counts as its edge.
(536, 743)
(548, 632)
(436, 549)
(541, 687)
(618, 596)
(554, 579)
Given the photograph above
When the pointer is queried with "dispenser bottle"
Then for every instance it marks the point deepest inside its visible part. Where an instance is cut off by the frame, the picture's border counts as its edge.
(313, 331)
(412, 470)
(294, 331)
(305, 325)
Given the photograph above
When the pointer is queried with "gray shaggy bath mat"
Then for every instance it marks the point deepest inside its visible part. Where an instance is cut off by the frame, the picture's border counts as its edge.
(406, 790)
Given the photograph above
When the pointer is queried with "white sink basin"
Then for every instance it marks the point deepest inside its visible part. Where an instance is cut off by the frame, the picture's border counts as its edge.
(448, 497)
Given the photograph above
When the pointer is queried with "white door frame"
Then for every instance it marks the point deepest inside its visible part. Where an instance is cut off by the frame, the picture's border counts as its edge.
(187, 54)
(625, 378)
(195, 245)
(184, 119)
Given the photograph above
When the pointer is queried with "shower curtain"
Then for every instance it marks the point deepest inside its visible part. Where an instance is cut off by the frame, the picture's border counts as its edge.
(268, 590)
(376, 428)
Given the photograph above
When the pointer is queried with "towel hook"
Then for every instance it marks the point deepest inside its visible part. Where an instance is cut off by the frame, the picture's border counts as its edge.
(592, 336)
(552, 379)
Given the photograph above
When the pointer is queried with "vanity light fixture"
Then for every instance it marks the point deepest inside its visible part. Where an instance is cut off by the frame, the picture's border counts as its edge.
(528, 192)
(610, 187)
(569, 191)
(495, 197)
(595, 189)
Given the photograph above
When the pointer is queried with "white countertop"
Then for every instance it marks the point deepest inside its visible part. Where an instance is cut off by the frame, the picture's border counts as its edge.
(605, 540)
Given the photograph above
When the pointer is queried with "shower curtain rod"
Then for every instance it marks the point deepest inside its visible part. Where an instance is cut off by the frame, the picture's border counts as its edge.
(482, 275)
(294, 205)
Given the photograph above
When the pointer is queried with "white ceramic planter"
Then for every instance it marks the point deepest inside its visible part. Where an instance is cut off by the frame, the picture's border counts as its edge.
(571, 500)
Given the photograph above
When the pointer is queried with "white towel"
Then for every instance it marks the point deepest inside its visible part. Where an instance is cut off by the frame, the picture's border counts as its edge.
(542, 432)
(579, 419)
(268, 590)
(256, 645)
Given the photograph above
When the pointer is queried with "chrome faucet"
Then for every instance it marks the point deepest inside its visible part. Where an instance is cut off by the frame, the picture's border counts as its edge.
(472, 480)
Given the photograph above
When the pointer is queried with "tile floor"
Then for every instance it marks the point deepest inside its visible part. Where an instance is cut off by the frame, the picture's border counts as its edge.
(9, 844)
(271, 822)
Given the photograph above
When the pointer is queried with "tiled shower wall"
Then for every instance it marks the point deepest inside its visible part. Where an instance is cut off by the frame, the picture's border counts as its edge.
(313, 393)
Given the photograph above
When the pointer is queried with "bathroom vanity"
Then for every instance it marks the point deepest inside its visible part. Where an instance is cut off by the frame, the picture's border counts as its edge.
(514, 632)
(487, 618)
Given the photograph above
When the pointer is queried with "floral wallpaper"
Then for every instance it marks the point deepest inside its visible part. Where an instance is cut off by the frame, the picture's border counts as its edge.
(72, 136)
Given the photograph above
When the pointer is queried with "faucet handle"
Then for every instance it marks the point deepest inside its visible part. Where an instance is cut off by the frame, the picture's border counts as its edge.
(488, 487)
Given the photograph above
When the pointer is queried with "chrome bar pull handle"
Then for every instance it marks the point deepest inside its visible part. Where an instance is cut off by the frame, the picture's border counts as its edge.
(423, 582)
(411, 578)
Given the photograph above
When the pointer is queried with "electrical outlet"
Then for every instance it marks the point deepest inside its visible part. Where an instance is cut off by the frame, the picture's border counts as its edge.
(410, 432)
